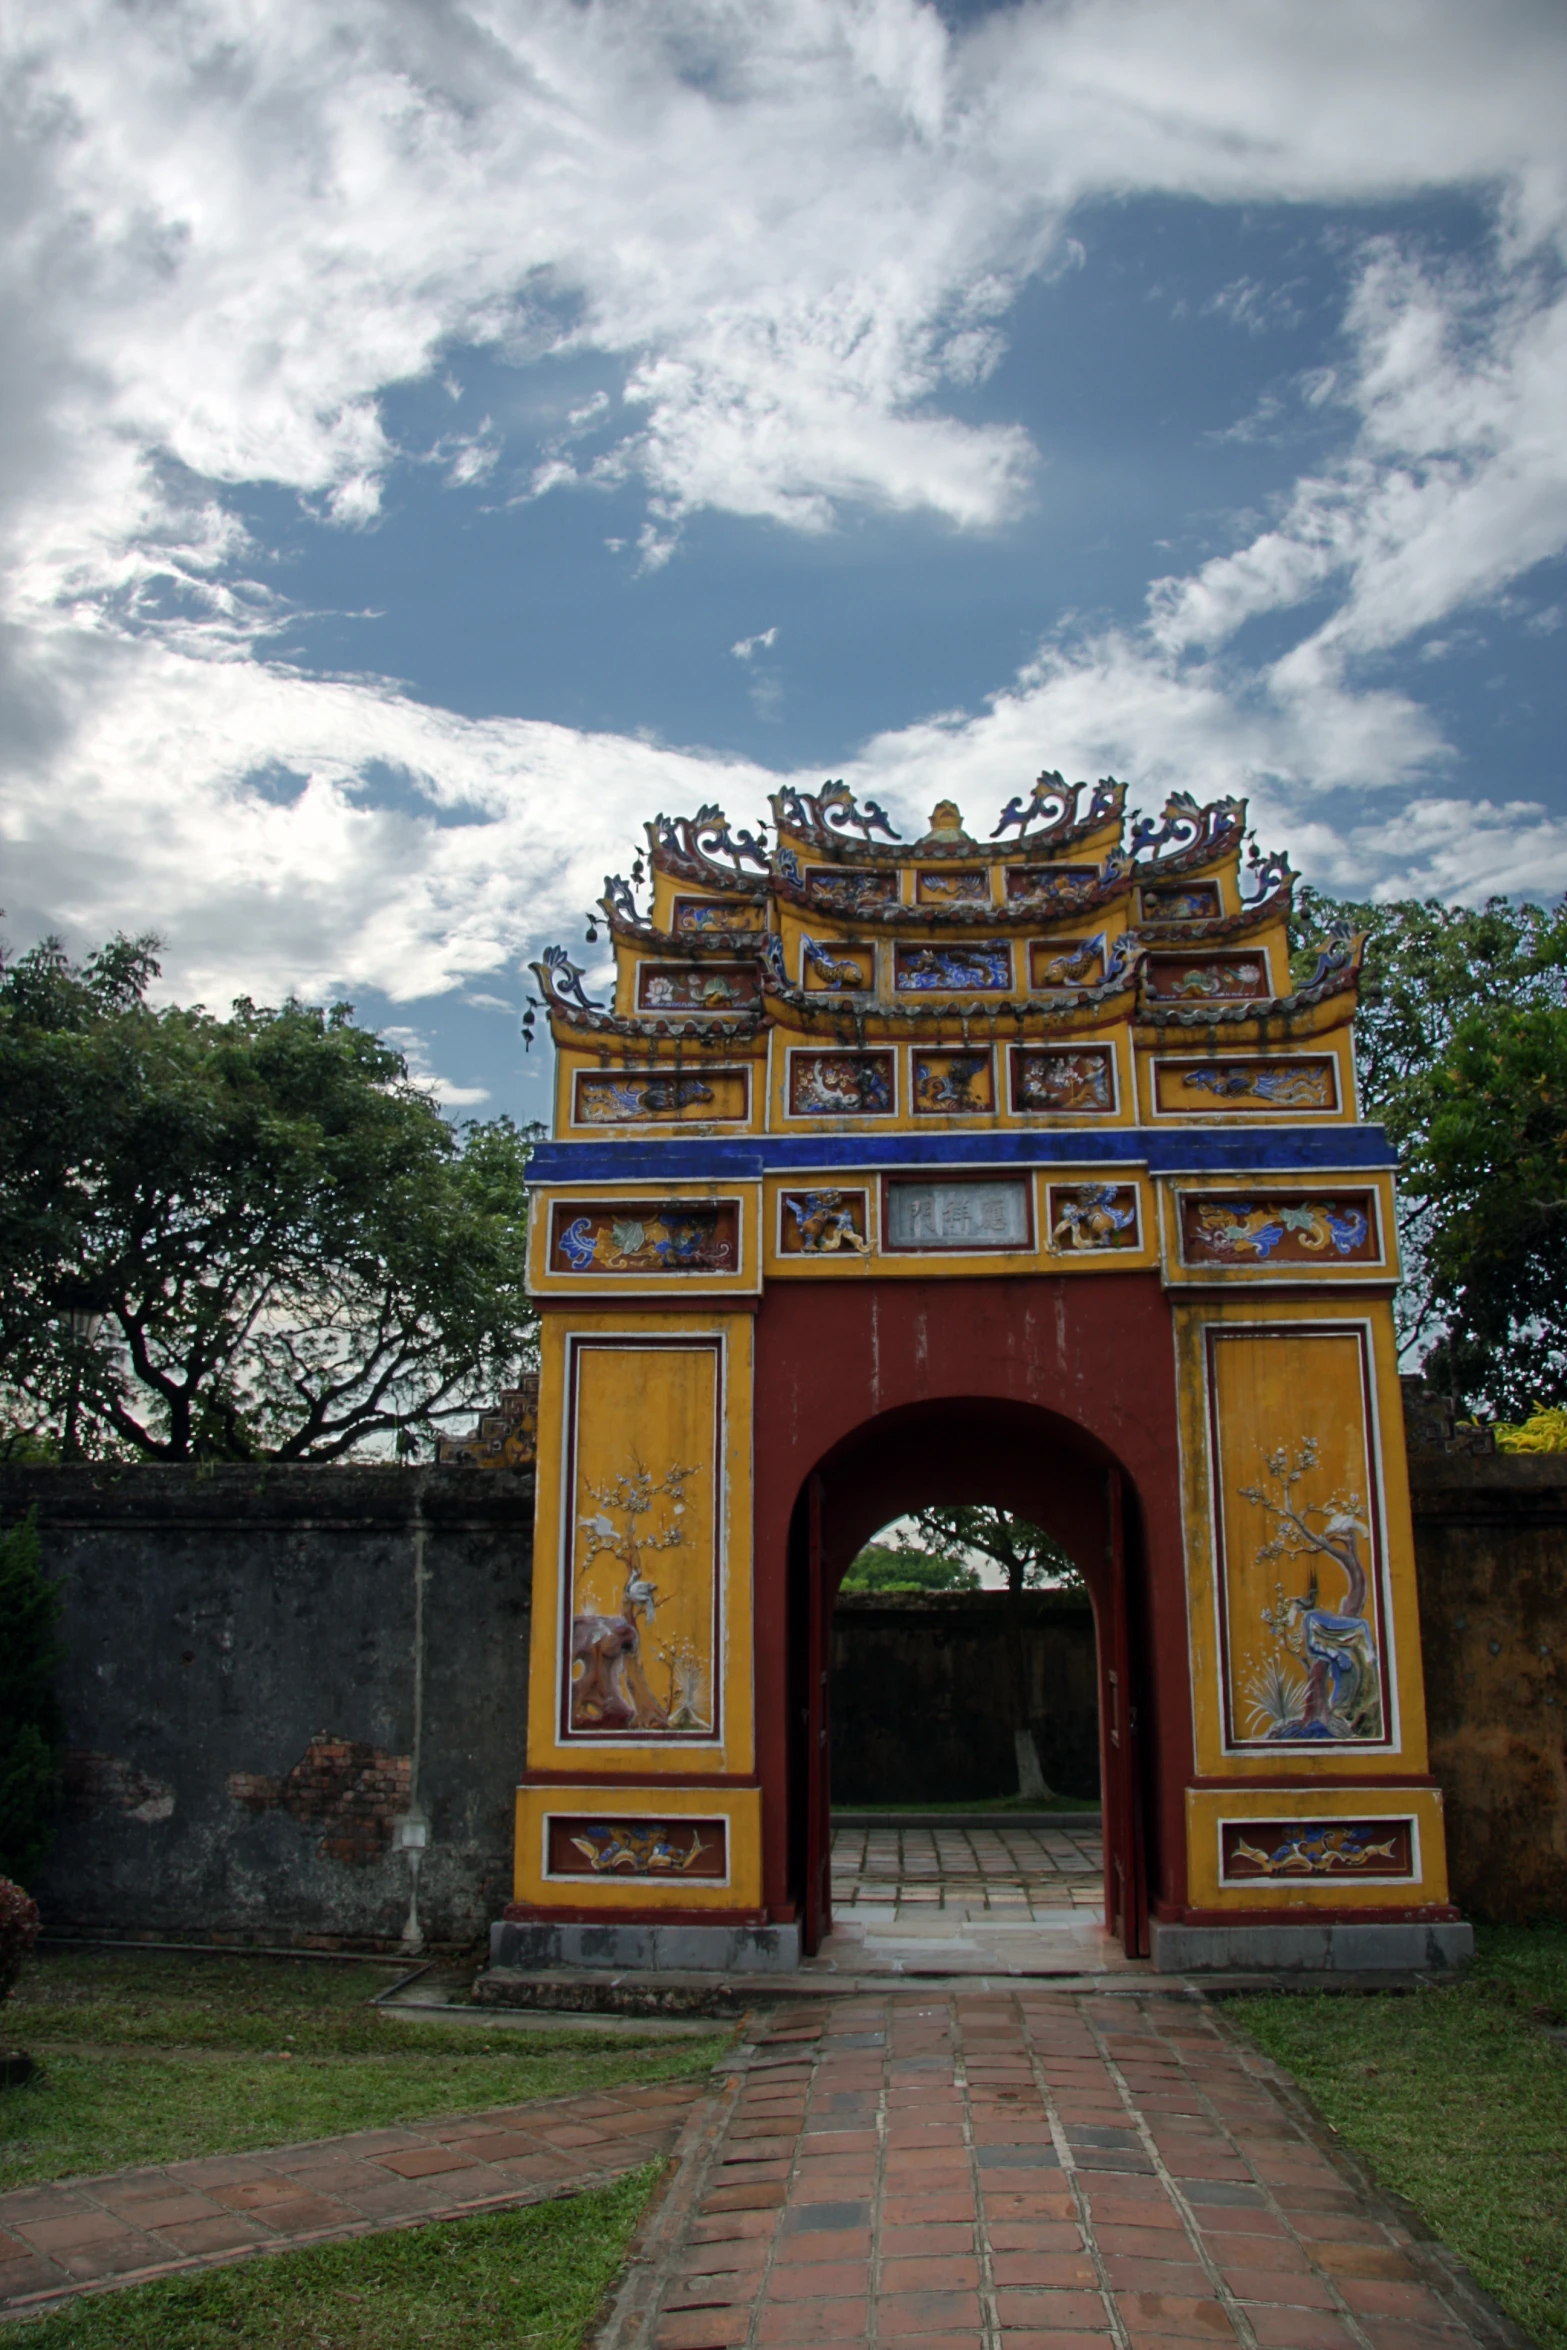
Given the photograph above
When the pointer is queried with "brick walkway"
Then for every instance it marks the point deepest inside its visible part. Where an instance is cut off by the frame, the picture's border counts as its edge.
(1026, 2171)
(136, 2224)
(977, 1872)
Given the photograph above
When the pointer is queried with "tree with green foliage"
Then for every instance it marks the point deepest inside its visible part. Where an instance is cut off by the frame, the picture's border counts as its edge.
(31, 1725)
(1461, 1045)
(901, 1566)
(1030, 1559)
(238, 1239)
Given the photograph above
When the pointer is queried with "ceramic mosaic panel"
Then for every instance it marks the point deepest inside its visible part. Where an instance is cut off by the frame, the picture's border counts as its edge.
(589, 1845)
(701, 917)
(977, 967)
(849, 892)
(823, 1222)
(842, 1085)
(1297, 1513)
(1059, 1077)
(626, 1237)
(1181, 901)
(954, 1085)
(698, 987)
(953, 888)
(1206, 979)
(643, 1542)
(1280, 1228)
(1066, 962)
(1293, 1852)
(1089, 1219)
(923, 1215)
(832, 969)
(659, 1097)
(1247, 1085)
(1052, 889)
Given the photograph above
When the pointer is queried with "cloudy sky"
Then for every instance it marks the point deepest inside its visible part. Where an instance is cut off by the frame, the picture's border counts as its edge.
(436, 436)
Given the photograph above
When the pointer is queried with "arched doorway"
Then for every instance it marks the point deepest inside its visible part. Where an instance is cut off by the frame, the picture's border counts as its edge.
(955, 1450)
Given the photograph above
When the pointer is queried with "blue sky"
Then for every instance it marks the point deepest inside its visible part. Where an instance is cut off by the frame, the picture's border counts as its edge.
(439, 436)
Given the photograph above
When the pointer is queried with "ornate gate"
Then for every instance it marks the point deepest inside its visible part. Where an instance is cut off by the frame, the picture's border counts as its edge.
(900, 1172)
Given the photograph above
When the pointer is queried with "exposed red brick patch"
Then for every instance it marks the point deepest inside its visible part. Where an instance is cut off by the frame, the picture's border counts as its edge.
(352, 1791)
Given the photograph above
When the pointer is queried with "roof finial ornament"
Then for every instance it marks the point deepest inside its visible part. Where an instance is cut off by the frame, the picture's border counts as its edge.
(946, 827)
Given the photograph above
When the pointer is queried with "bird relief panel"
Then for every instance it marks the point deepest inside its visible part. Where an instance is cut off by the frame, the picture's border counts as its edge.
(642, 1563)
(1248, 1084)
(1302, 1598)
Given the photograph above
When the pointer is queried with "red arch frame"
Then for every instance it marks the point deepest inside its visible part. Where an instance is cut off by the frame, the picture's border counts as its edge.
(1049, 1394)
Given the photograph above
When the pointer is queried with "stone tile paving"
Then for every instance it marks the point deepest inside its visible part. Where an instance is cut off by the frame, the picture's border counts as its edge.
(83, 2234)
(974, 1872)
(1026, 2169)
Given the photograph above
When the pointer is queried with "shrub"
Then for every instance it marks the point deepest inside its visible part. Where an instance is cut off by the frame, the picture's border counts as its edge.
(31, 1725)
(18, 1932)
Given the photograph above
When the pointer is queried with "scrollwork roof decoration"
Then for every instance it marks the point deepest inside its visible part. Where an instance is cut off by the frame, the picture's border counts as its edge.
(693, 848)
(829, 815)
(1267, 875)
(620, 908)
(1055, 805)
(1185, 827)
(561, 982)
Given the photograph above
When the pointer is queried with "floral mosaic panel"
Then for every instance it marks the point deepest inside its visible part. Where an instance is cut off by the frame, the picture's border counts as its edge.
(1302, 1604)
(1209, 979)
(621, 1238)
(698, 987)
(659, 1097)
(1247, 1085)
(643, 1543)
(1280, 1228)
(591, 1846)
(1056, 1077)
(956, 1084)
(842, 1085)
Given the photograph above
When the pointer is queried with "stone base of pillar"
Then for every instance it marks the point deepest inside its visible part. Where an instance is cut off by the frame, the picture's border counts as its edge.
(1339, 1949)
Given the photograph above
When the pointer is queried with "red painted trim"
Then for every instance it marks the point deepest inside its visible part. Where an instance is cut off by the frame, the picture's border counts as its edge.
(673, 1301)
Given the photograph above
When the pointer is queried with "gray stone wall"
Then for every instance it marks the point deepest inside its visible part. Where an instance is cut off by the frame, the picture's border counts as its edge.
(929, 1689)
(266, 1671)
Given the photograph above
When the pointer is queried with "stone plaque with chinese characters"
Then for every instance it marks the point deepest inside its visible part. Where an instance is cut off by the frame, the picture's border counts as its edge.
(958, 1215)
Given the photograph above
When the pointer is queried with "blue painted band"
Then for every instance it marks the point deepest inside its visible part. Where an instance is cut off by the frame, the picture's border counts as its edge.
(1258, 1150)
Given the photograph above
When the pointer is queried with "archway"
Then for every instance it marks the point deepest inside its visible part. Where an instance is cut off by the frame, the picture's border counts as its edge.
(955, 1450)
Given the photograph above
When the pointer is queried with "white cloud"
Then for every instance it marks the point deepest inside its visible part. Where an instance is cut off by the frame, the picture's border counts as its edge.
(793, 233)
(763, 641)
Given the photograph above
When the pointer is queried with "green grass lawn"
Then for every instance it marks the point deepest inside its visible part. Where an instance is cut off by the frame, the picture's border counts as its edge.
(152, 2057)
(532, 2277)
(1457, 2099)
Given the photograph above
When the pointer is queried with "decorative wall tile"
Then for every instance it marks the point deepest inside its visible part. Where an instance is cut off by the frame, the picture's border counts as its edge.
(954, 1084)
(842, 1085)
(1247, 1084)
(589, 1845)
(699, 917)
(698, 987)
(659, 1097)
(1280, 1228)
(1180, 901)
(632, 1236)
(823, 1222)
(971, 967)
(1207, 978)
(1090, 1218)
(1066, 962)
(956, 887)
(1062, 1077)
(1299, 1851)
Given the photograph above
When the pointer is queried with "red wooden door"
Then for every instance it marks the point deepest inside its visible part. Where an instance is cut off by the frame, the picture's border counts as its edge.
(1126, 1883)
(818, 1778)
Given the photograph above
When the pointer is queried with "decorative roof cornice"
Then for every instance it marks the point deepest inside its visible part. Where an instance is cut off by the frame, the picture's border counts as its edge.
(1337, 974)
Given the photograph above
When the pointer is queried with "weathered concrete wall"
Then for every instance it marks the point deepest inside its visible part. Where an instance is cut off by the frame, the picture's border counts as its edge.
(264, 1670)
(1491, 1552)
(924, 1700)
